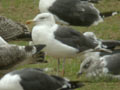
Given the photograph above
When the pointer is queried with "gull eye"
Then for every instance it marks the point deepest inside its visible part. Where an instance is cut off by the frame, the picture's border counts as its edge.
(42, 18)
(87, 65)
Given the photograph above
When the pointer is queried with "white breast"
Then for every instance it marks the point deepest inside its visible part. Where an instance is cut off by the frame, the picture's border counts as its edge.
(10, 82)
(45, 35)
(45, 4)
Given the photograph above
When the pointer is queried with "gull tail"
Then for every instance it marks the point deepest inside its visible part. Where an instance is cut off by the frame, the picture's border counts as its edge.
(111, 44)
(108, 14)
(72, 85)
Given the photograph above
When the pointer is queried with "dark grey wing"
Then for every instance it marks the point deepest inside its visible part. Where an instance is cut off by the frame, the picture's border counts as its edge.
(70, 85)
(111, 44)
(114, 63)
(60, 79)
(75, 12)
(35, 79)
(93, 1)
(73, 38)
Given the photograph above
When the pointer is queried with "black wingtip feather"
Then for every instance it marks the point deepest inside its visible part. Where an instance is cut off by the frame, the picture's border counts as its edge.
(39, 47)
(74, 85)
(109, 13)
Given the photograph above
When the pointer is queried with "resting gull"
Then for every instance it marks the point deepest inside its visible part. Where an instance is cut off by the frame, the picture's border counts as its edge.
(10, 29)
(101, 64)
(74, 12)
(35, 79)
(13, 54)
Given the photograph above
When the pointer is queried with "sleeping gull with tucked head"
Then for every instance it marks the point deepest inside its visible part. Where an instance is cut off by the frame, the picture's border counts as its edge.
(74, 12)
(60, 41)
(11, 54)
(101, 64)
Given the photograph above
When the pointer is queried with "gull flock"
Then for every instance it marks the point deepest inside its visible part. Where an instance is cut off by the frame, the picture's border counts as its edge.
(53, 35)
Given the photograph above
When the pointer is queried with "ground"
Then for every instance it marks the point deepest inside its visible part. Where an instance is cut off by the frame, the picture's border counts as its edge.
(22, 10)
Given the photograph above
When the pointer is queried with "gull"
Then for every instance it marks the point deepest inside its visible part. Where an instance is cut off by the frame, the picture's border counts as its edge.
(61, 41)
(98, 64)
(36, 79)
(10, 29)
(74, 12)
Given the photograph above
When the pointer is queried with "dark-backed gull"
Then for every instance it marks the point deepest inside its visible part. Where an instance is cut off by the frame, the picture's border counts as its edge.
(101, 64)
(73, 12)
(36, 79)
(60, 41)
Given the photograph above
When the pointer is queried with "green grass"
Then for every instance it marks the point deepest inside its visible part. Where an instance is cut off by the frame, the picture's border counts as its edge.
(22, 10)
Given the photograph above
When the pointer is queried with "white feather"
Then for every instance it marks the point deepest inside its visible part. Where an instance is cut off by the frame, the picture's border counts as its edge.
(45, 4)
(2, 41)
(10, 82)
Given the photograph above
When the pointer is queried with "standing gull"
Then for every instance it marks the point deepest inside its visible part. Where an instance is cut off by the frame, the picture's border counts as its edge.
(101, 63)
(35, 79)
(60, 41)
(73, 12)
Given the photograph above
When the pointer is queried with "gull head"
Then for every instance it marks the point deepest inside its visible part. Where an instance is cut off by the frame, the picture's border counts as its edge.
(89, 65)
(31, 50)
(43, 18)
(90, 35)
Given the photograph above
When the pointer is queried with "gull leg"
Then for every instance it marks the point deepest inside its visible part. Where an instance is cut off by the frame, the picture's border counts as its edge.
(58, 66)
(88, 28)
(63, 71)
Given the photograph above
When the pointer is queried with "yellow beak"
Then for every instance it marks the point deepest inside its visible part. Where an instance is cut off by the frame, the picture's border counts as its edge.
(29, 21)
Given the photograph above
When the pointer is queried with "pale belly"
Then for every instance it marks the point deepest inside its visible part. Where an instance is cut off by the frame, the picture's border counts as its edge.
(53, 47)
(60, 51)
(56, 49)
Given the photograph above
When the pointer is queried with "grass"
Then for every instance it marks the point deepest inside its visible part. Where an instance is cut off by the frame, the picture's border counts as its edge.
(22, 10)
